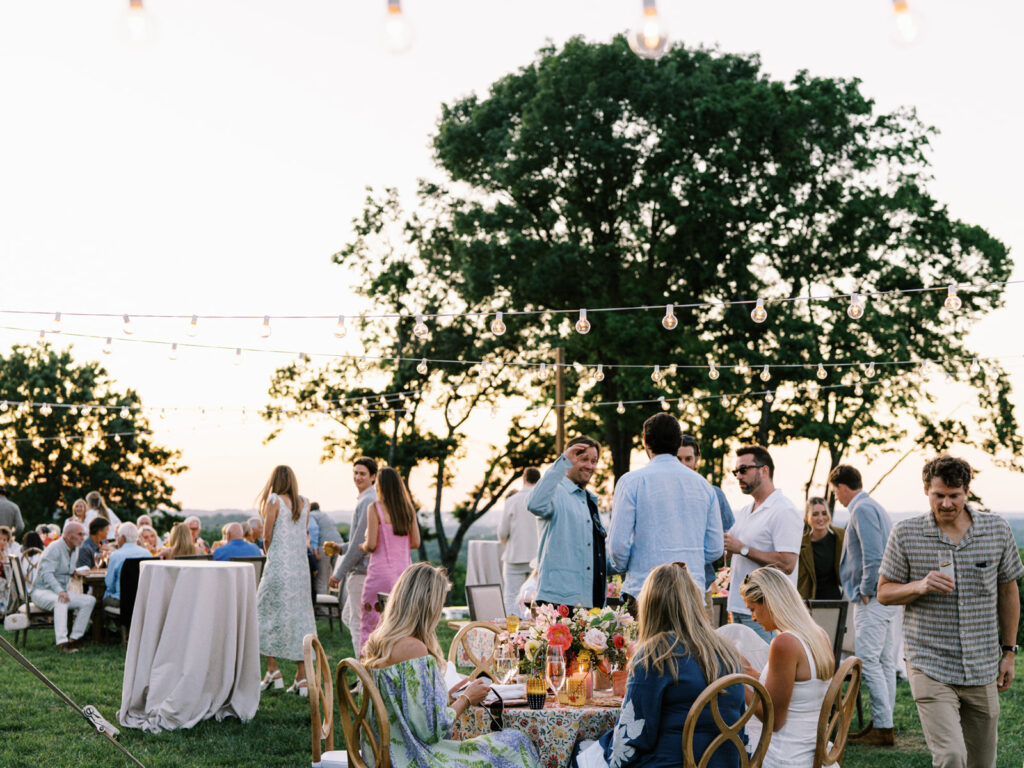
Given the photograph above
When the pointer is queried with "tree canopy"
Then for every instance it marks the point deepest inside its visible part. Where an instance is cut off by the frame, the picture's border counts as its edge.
(51, 456)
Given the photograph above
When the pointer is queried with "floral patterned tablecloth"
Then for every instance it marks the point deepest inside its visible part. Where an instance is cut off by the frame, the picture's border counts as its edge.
(554, 730)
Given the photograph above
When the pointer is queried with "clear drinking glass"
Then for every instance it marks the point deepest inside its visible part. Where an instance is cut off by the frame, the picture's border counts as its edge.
(506, 666)
(555, 669)
(512, 623)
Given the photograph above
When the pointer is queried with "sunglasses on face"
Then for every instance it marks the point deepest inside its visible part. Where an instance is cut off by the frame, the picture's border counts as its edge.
(742, 468)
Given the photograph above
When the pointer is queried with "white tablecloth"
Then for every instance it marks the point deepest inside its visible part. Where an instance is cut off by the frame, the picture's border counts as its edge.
(193, 649)
(483, 563)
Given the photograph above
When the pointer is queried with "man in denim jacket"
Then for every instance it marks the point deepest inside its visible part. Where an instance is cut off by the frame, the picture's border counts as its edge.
(571, 559)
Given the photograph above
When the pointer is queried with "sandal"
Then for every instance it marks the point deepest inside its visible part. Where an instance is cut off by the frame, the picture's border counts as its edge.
(272, 681)
(299, 687)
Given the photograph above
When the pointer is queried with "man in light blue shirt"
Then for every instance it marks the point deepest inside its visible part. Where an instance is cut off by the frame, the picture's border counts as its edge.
(663, 513)
(236, 545)
(127, 548)
(689, 455)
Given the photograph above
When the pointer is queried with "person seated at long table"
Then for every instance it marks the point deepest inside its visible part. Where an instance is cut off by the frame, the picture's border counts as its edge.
(677, 656)
(127, 549)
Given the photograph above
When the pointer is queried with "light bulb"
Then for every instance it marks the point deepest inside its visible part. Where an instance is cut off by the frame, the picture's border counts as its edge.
(421, 369)
(599, 373)
(397, 33)
(656, 374)
(669, 321)
(265, 327)
(361, 364)
(858, 390)
(725, 401)
(173, 353)
(759, 314)
(383, 402)
(107, 348)
(4, 406)
(766, 375)
(41, 338)
(497, 324)
(621, 408)
(193, 326)
(821, 372)
(856, 309)
(420, 330)
(55, 324)
(952, 302)
(73, 410)
(340, 330)
(649, 38)
(713, 373)
(45, 410)
(238, 356)
(137, 26)
(769, 397)
(542, 372)
(906, 24)
(124, 412)
(664, 403)
(126, 325)
(583, 325)
(870, 370)
(494, 411)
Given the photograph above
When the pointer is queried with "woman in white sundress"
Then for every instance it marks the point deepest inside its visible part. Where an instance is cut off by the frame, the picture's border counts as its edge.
(799, 669)
(283, 602)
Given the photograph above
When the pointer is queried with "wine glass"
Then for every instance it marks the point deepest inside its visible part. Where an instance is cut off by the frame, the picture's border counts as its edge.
(507, 666)
(555, 669)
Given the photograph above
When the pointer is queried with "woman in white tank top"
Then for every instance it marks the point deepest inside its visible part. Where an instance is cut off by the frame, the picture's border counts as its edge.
(799, 669)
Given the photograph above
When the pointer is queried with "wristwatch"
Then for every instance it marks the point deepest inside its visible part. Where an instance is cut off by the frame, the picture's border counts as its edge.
(746, 550)
(1009, 648)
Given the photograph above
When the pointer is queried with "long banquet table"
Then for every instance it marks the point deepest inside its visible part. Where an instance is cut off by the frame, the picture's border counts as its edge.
(193, 648)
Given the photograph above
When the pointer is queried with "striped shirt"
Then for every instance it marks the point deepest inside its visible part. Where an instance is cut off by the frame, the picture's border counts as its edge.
(954, 638)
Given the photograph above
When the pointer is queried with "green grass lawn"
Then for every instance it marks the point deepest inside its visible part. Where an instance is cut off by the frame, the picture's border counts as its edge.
(37, 729)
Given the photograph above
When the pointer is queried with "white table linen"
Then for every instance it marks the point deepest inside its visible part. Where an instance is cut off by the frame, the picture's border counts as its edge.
(193, 649)
(483, 563)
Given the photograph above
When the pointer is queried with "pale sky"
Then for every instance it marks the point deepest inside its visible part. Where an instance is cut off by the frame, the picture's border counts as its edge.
(216, 171)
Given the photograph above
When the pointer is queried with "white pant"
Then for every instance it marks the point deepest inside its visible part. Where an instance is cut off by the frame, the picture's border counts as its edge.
(324, 569)
(82, 605)
(514, 576)
(875, 641)
(352, 613)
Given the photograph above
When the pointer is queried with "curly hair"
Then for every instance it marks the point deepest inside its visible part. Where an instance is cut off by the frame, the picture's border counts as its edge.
(953, 472)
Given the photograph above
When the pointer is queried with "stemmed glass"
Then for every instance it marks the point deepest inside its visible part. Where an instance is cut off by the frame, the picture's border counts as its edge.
(555, 669)
(507, 666)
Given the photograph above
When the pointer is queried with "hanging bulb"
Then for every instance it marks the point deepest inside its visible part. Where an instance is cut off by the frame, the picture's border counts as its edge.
(725, 401)
(384, 402)
(759, 314)
(769, 397)
(173, 353)
(238, 356)
(765, 375)
(361, 364)
(599, 373)
(649, 38)
(126, 325)
(952, 302)
(265, 327)
(124, 412)
(137, 26)
(975, 366)
(583, 325)
(420, 330)
(821, 372)
(45, 410)
(107, 348)
(713, 373)
(73, 410)
(906, 25)
(494, 411)
(870, 371)
(620, 409)
(670, 321)
(340, 330)
(55, 324)
(193, 326)
(41, 338)
(498, 325)
(858, 390)
(656, 374)
(397, 33)
(856, 309)
(664, 403)
(421, 369)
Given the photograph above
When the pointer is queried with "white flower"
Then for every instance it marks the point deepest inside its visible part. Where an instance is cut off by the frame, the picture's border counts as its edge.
(595, 640)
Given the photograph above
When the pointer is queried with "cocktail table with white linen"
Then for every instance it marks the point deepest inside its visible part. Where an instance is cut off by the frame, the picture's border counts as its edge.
(193, 649)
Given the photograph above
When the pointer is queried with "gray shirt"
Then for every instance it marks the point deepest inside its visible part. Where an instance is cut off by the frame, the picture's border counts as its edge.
(10, 516)
(55, 568)
(328, 530)
(355, 560)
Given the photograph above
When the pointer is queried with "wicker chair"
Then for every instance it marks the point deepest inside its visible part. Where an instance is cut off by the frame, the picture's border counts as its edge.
(362, 734)
(461, 639)
(836, 713)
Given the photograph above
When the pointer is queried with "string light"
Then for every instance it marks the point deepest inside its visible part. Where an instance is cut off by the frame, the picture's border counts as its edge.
(905, 25)
(125, 413)
(265, 328)
(713, 373)
(870, 370)
(45, 410)
(769, 397)
(173, 353)
(599, 372)
(193, 326)
(952, 302)
(759, 314)
(766, 375)
(398, 35)
(361, 364)
(41, 339)
(663, 403)
(725, 401)
(55, 323)
(421, 369)
(858, 390)
(856, 309)
(126, 325)
(620, 409)
(669, 321)
(340, 330)
(821, 373)
(656, 374)
(420, 330)
(582, 324)
(137, 27)
(649, 38)
(498, 324)
(107, 348)
(238, 357)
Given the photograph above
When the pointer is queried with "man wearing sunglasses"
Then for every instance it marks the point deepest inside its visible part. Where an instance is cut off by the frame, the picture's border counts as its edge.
(768, 531)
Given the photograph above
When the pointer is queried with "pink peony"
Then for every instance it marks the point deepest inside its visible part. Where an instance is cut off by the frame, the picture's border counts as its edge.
(559, 637)
(563, 610)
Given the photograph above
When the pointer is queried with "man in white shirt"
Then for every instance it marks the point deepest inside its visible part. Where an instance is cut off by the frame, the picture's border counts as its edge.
(50, 588)
(354, 563)
(768, 531)
(517, 530)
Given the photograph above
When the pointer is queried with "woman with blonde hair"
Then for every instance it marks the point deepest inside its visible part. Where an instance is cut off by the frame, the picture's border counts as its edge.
(78, 510)
(677, 656)
(799, 670)
(405, 660)
(149, 539)
(97, 507)
(820, 552)
(391, 532)
(284, 602)
(179, 543)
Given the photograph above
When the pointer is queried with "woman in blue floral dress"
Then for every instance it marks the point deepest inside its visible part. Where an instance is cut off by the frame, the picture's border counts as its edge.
(405, 659)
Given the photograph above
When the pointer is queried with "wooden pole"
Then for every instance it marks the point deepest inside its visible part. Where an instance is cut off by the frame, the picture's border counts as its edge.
(559, 401)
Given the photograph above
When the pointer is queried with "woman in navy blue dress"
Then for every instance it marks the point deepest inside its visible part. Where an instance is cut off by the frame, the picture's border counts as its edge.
(678, 655)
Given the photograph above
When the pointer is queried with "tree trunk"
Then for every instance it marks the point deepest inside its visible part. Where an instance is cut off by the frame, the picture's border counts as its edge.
(442, 539)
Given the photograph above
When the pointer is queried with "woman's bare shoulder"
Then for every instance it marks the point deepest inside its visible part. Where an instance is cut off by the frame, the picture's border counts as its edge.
(407, 648)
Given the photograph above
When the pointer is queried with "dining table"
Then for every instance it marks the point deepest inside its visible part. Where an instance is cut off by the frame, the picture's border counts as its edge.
(193, 647)
(96, 580)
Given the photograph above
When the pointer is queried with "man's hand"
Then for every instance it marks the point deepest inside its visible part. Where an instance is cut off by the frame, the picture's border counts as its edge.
(865, 599)
(333, 583)
(732, 544)
(63, 597)
(1005, 677)
(935, 581)
(574, 453)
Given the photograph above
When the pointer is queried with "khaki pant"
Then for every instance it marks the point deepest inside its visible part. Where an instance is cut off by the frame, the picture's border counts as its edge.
(352, 612)
(960, 722)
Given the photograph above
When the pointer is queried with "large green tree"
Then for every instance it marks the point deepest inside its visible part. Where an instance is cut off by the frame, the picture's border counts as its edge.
(52, 452)
(592, 178)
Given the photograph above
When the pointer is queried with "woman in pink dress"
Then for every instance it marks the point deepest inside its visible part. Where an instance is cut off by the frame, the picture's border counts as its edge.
(391, 532)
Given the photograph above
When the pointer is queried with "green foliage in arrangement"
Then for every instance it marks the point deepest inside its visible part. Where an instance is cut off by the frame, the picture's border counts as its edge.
(131, 471)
